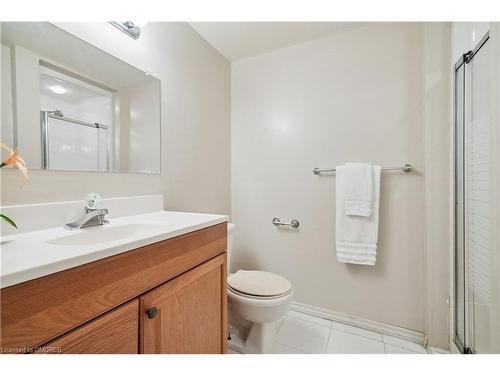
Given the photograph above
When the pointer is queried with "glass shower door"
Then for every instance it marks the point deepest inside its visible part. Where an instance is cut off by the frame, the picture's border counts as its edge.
(479, 202)
(475, 299)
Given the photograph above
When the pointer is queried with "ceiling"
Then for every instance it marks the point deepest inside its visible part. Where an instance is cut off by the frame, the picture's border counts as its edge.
(73, 93)
(238, 40)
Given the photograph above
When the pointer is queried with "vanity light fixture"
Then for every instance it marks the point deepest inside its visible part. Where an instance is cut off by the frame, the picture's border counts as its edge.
(128, 27)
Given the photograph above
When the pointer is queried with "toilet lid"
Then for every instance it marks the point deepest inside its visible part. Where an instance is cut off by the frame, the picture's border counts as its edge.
(259, 283)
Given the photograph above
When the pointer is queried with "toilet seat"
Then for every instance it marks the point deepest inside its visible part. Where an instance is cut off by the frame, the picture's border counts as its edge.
(253, 296)
(259, 284)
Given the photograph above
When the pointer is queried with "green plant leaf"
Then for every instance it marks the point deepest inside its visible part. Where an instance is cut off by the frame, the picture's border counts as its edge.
(8, 220)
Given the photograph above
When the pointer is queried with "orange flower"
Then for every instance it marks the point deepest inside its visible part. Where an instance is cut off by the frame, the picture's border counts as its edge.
(15, 160)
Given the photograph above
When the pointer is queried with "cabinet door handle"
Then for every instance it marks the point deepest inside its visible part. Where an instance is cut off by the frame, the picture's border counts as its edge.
(151, 312)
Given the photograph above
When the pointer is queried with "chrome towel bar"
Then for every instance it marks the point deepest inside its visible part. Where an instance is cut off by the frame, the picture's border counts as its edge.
(405, 168)
(294, 223)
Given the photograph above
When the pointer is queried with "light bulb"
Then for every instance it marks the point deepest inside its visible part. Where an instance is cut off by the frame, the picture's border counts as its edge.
(57, 89)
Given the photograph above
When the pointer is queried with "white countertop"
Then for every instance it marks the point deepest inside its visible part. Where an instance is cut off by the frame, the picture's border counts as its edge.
(31, 255)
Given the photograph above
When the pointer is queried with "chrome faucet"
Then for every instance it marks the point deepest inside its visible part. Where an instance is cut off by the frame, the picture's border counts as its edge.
(93, 214)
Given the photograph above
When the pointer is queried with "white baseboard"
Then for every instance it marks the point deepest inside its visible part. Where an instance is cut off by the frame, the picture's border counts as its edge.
(384, 328)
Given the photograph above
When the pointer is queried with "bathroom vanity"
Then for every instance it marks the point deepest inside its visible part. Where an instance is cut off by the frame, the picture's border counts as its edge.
(158, 288)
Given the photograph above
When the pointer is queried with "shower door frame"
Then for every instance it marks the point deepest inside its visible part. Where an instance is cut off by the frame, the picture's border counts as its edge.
(467, 346)
(458, 222)
(45, 117)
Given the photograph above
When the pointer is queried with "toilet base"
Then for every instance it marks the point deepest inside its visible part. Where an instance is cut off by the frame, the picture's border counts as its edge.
(252, 321)
(259, 340)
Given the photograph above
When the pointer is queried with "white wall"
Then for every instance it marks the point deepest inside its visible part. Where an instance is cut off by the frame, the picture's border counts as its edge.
(27, 91)
(356, 96)
(142, 136)
(195, 128)
(7, 124)
(438, 218)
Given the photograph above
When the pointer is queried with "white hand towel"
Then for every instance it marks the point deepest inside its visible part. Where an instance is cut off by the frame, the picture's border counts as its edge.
(358, 180)
(356, 236)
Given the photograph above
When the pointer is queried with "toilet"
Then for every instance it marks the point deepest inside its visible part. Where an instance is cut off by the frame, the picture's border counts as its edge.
(257, 300)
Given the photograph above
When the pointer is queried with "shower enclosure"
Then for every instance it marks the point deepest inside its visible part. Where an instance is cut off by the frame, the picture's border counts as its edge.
(476, 231)
(73, 145)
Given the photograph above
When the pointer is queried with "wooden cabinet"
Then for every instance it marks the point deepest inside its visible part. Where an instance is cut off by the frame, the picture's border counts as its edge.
(187, 314)
(100, 307)
(116, 332)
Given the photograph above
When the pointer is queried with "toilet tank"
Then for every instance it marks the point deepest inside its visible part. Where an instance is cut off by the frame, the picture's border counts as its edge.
(230, 237)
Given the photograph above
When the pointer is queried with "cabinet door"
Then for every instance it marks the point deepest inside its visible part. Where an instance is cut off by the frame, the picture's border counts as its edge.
(114, 332)
(188, 313)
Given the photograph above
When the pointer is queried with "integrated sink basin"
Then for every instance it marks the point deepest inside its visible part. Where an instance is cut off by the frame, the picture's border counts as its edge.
(106, 233)
(34, 254)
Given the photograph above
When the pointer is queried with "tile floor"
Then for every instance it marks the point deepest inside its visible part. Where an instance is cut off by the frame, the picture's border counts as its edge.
(300, 333)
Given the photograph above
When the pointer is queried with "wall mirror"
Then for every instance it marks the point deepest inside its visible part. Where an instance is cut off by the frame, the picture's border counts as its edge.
(68, 105)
